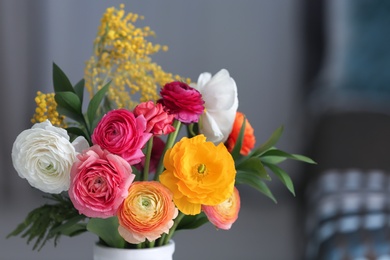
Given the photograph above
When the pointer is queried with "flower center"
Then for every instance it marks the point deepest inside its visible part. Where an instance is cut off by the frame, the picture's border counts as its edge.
(145, 202)
(202, 168)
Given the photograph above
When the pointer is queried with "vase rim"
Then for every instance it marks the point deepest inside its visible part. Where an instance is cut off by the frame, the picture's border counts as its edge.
(171, 243)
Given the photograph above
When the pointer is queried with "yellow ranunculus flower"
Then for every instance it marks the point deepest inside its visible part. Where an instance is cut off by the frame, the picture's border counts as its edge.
(198, 173)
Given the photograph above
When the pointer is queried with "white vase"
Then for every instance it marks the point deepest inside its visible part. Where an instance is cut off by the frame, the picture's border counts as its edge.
(101, 252)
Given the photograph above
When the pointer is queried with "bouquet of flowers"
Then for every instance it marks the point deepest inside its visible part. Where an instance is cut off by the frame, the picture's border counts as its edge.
(117, 165)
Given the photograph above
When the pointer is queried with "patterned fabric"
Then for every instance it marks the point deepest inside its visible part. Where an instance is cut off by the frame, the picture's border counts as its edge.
(348, 216)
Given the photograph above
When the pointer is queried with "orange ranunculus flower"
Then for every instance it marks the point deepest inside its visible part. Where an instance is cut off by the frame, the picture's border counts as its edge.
(249, 139)
(198, 173)
(147, 212)
(225, 214)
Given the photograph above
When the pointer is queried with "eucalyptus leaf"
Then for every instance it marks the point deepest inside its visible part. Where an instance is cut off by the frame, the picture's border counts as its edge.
(60, 81)
(255, 182)
(269, 143)
(107, 230)
(283, 176)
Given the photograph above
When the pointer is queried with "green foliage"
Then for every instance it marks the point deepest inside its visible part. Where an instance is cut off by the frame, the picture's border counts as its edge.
(107, 231)
(70, 103)
(251, 169)
(50, 221)
(192, 221)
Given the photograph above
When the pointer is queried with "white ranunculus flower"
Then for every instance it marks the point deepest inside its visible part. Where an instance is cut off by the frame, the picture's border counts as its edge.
(221, 102)
(43, 155)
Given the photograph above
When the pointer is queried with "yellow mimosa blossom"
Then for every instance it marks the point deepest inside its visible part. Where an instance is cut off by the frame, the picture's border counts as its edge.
(122, 56)
(47, 109)
(198, 173)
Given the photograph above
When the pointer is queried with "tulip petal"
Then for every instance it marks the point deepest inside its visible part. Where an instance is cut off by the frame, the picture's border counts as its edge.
(220, 92)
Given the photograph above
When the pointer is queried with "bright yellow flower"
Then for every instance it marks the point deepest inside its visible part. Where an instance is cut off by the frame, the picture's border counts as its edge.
(122, 55)
(47, 109)
(198, 173)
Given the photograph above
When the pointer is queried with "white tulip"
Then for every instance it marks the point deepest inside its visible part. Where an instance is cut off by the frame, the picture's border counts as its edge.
(43, 155)
(221, 102)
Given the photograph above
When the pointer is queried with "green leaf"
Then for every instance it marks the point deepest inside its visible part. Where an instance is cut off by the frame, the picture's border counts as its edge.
(41, 221)
(255, 182)
(66, 226)
(69, 105)
(282, 154)
(77, 131)
(272, 159)
(237, 147)
(269, 143)
(107, 230)
(94, 105)
(192, 221)
(60, 80)
(75, 230)
(253, 165)
(79, 89)
(283, 176)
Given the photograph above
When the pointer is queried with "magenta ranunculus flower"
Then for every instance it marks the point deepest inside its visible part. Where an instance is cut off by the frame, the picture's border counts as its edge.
(183, 101)
(225, 214)
(121, 133)
(159, 122)
(99, 182)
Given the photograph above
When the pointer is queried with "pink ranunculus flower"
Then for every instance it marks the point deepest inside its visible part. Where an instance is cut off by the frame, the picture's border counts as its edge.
(159, 122)
(99, 182)
(147, 212)
(225, 214)
(183, 101)
(121, 133)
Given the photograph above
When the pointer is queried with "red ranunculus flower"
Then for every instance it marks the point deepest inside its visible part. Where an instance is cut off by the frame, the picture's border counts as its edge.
(99, 182)
(121, 133)
(249, 139)
(159, 122)
(183, 101)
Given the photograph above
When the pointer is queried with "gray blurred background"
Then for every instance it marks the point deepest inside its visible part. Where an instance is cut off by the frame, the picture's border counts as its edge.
(279, 52)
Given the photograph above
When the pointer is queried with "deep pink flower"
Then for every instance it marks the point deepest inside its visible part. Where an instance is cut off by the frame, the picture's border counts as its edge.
(225, 214)
(159, 122)
(157, 151)
(121, 133)
(183, 101)
(99, 182)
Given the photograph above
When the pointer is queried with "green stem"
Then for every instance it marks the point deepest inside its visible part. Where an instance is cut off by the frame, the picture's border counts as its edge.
(170, 142)
(173, 228)
(151, 244)
(149, 147)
